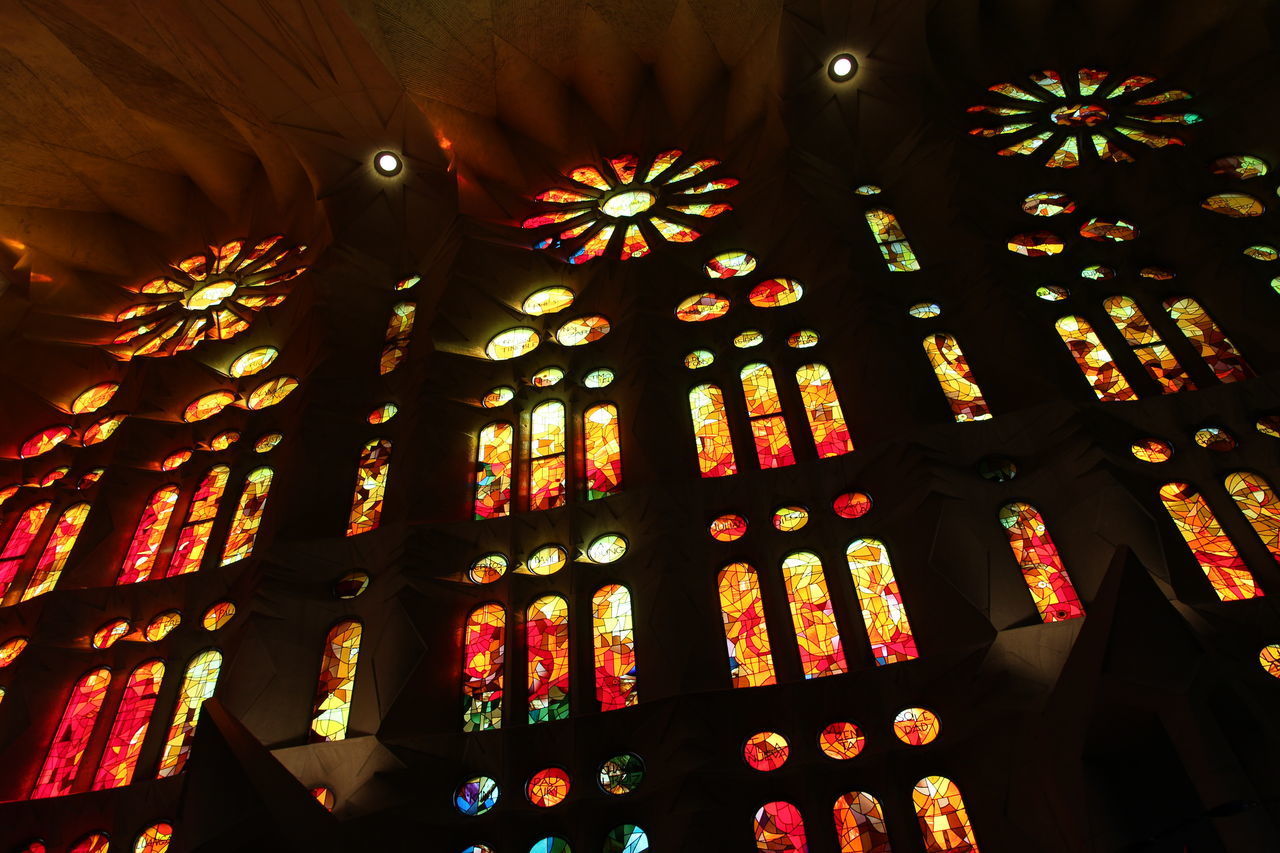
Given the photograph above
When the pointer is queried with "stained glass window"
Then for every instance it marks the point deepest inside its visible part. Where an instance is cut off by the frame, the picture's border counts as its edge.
(193, 539)
(614, 648)
(1214, 347)
(627, 838)
(145, 546)
(337, 682)
(494, 448)
(747, 637)
(154, 839)
(944, 820)
(916, 726)
(822, 408)
(547, 636)
(956, 379)
(476, 796)
(484, 652)
(56, 551)
(602, 446)
(547, 456)
(812, 615)
(198, 684)
(1209, 544)
(71, 737)
(248, 517)
(1256, 499)
(133, 714)
(621, 774)
(779, 828)
(766, 751)
(94, 842)
(19, 542)
(371, 487)
(711, 432)
(1095, 362)
(1139, 334)
(860, 824)
(399, 332)
(883, 611)
(1042, 568)
(841, 740)
(548, 787)
(889, 236)
(764, 410)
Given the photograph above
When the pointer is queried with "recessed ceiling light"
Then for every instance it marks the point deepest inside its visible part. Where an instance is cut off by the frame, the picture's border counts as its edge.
(387, 163)
(842, 67)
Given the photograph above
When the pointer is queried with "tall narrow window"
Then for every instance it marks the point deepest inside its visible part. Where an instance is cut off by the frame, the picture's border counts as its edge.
(1095, 362)
(602, 449)
(547, 633)
(484, 652)
(145, 547)
(822, 408)
(1147, 346)
(892, 240)
(54, 556)
(493, 470)
(337, 682)
(615, 648)
(956, 379)
(1219, 353)
(745, 632)
(399, 332)
(779, 828)
(860, 824)
(1256, 499)
(198, 684)
(764, 410)
(70, 739)
(814, 618)
(883, 612)
(546, 456)
(133, 715)
(19, 543)
(944, 820)
(1209, 544)
(1051, 588)
(193, 539)
(248, 517)
(711, 432)
(371, 487)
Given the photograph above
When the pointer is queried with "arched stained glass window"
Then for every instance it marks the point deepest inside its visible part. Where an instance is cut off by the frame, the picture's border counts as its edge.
(547, 635)
(399, 332)
(883, 611)
(1095, 362)
(1042, 568)
(19, 542)
(198, 684)
(1147, 346)
(154, 839)
(337, 682)
(602, 450)
(812, 615)
(371, 487)
(248, 517)
(956, 379)
(892, 240)
(745, 632)
(484, 652)
(133, 715)
(822, 408)
(860, 824)
(779, 828)
(1214, 347)
(94, 842)
(193, 539)
(1256, 499)
(56, 551)
(944, 820)
(764, 411)
(711, 432)
(494, 449)
(614, 647)
(1209, 544)
(70, 739)
(145, 546)
(546, 456)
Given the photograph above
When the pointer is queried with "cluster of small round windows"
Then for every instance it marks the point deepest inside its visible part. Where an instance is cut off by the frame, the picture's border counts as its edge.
(732, 526)
(842, 740)
(546, 377)
(160, 626)
(1216, 438)
(617, 776)
(548, 559)
(521, 340)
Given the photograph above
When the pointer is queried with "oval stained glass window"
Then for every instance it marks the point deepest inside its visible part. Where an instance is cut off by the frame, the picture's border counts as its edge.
(1038, 244)
(175, 460)
(548, 300)
(1151, 450)
(106, 636)
(218, 615)
(1269, 658)
(383, 413)
(351, 585)
(1262, 253)
(765, 751)
(916, 726)
(841, 740)
(730, 264)
(548, 787)
(11, 648)
(272, 392)
(582, 331)
(1269, 425)
(1241, 167)
(775, 293)
(101, 430)
(789, 519)
(1048, 203)
(1097, 272)
(205, 407)
(92, 399)
(254, 361)
(621, 774)
(499, 396)
(601, 377)
(546, 377)
(1052, 292)
(728, 528)
(925, 310)
(476, 796)
(225, 439)
(1105, 231)
(608, 548)
(1215, 438)
(547, 560)
(803, 339)
(267, 441)
(44, 441)
(1235, 205)
(702, 307)
(852, 504)
(551, 844)
(512, 343)
(627, 838)
(161, 626)
(488, 568)
(699, 358)
(748, 338)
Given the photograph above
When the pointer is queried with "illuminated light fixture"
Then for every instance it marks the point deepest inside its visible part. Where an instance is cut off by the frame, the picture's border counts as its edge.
(842, 67)
(387, 163)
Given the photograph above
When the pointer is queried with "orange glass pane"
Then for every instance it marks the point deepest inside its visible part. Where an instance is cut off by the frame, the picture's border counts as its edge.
(154, 839)
(747, 637)
(766, 751)
(547, 456)
(779, 828)
(248, 517)
(494, 448)
(764, 412)
(1214, 551)
(1256, 500)
(371, 487)
(1050, 586)
(71, 738)
(956, 379)
(883, 611)
(841, 741)
(822, 407)
(133, 715)
(547, 639)
(548, 787)
(812, 615)
(337, 682)
(56, 551)
(19, 542)
(1095, 362)
(944, 820)
(145, 546)
(602, 449)
(614, 648)
(1214, 347)
(484, 652)
(860, 826)
(193, 539)
(198, 684)
(1138, 332)
(711, 432)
